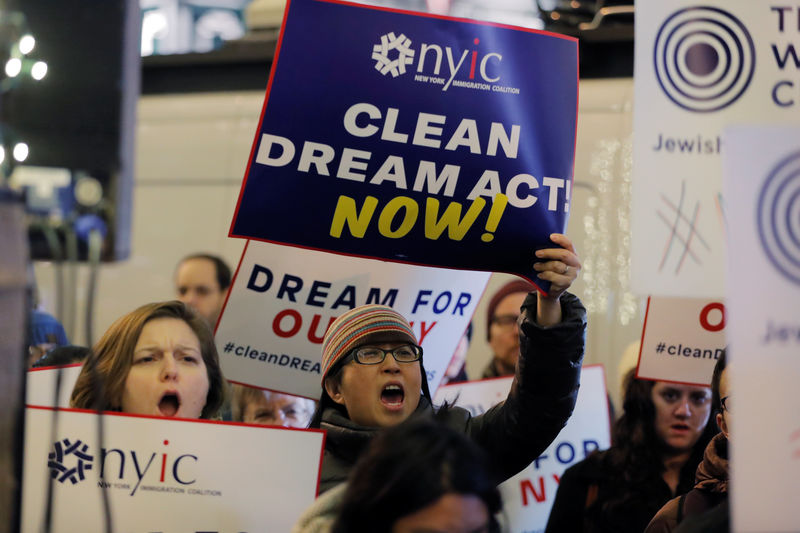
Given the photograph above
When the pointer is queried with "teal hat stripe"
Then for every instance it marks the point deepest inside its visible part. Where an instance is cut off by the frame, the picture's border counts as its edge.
(351, 316)
(356, 315)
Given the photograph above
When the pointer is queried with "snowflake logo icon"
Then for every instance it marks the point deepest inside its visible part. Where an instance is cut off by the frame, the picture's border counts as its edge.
(405, 55)
(60, 455)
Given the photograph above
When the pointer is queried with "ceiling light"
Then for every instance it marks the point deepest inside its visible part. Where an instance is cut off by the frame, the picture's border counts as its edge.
(26, 44)
(21, 152)
(39, 70)
(13, 67)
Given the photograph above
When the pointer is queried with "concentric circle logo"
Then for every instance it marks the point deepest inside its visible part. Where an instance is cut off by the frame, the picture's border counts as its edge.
(779, 217)
(381, 53)
(704, 58)
(69, 461)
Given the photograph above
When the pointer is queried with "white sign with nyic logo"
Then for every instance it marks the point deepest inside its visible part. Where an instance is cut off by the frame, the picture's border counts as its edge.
(682, 339)
(528, 496)
(699, 67)
(283, 299)
(144, 474)
(762, 183)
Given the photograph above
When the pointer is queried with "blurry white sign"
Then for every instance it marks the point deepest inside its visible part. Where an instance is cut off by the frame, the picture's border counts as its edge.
(762, 185)
(528, 496)
(42, 383)
(283, 299)
(180, 476)
(681, 340)
(700, 66)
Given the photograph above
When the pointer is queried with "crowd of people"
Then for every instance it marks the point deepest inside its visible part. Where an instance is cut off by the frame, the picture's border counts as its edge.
(395, 462)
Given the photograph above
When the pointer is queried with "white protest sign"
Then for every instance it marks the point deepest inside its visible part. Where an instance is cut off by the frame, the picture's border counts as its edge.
(180, 476)
(528, 496)
(682, 339)
(41, 385)
(762, 185)
(474, 396)
(700, 66)
(283, 299)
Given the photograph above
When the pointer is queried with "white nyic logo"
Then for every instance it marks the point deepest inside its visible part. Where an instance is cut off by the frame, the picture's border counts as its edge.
(405, 55)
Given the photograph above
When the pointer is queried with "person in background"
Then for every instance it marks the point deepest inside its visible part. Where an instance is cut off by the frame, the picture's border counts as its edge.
(711, 481)
(373, 377)
(201, 282)
(502, 330)
(418, 476)
(158, 360)
(44, 334)
(62, 355)
(656, 446)
(267, 408)
(456, 371)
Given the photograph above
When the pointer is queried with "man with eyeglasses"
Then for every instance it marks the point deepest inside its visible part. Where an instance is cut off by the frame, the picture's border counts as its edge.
(501, 327)
(705, 507)
(373, 377)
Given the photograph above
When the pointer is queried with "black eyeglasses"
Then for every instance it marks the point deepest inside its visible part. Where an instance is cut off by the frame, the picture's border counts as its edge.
(726, 403)
(372, 355)
(505, 320)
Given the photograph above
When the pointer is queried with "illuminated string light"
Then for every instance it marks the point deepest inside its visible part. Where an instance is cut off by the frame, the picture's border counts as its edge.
(26, 44)
(2, 154)
(13, 67)
(21, 152)
(39, 70)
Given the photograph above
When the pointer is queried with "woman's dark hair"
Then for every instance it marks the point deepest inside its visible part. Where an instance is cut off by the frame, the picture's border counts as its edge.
(325, 401)
(716, 377)
(409, 467)
(637, 453)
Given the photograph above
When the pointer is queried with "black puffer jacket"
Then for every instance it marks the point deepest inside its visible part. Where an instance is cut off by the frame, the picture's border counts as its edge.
(514, 432)
(587, 487)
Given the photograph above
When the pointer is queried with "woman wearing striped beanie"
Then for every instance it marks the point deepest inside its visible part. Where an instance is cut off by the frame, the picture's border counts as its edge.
(373, 377)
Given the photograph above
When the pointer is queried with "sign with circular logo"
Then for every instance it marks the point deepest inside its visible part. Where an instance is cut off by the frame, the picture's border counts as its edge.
(779, 217)
(704, 58)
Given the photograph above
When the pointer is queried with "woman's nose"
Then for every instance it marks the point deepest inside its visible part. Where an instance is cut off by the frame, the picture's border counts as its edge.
(169, 367)
(683, 409)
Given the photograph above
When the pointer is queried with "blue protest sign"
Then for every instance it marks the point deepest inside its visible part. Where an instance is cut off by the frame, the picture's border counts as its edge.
(413, 138)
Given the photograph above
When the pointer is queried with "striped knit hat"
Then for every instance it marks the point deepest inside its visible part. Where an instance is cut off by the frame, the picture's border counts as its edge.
(352, 329)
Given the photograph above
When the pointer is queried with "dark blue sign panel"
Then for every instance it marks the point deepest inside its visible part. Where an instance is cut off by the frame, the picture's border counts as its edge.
(413, 138)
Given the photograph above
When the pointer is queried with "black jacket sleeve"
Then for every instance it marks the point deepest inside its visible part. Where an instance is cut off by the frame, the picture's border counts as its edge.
(543, 393)
(567, 513)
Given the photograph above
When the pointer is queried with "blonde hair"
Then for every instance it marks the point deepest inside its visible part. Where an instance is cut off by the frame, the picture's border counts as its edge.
(102, 379)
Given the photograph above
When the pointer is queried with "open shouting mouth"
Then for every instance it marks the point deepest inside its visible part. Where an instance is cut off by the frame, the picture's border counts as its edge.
(392, 396)
(169, 404)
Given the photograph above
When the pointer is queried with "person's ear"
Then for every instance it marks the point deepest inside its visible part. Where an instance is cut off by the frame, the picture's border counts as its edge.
(334, 389)
(722, 424)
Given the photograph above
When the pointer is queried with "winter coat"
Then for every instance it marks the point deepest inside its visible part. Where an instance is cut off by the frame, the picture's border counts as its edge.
(514, 432)
(322, 514)
(710, 490)
(586, 488)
